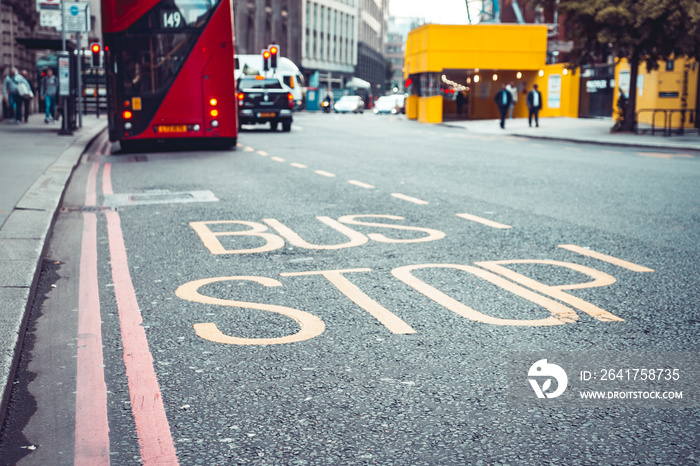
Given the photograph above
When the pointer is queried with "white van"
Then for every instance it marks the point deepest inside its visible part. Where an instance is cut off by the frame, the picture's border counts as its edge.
(286, 70)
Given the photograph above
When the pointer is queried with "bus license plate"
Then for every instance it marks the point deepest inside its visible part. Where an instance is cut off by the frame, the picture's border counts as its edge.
(172, 128)
(267, 115)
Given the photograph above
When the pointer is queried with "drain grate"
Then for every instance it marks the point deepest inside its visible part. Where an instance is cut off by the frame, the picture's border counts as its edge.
(100, 158)
(161, 197)
(88, 208)
(158, 197)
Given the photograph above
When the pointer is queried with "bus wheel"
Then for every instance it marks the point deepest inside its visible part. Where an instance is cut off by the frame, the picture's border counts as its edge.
(273, 125)
(287, 126)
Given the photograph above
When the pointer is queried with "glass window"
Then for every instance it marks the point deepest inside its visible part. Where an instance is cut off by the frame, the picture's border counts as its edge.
(156, 46)
(253, 83)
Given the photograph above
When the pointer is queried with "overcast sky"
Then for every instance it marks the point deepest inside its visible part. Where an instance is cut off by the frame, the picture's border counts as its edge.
(434, 11)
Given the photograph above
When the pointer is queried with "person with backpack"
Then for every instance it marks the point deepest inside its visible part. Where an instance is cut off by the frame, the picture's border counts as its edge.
(13, 89)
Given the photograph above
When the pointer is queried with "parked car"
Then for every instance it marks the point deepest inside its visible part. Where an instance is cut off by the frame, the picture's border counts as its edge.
(349, 103)
(389, 104)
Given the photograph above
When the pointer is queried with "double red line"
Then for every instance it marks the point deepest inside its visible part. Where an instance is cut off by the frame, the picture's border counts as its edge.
(91, 421)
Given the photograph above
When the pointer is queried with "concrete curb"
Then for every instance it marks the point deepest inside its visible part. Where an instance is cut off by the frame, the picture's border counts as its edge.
(639, 145)
(23, 241)
(662, 144)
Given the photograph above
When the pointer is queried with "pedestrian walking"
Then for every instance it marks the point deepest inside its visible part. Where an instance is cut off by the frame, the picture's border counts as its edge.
(459, 100)
(514, 94)
(27, 100)
(13, 89)
(534, 105)
(503, 100)
(49, 89)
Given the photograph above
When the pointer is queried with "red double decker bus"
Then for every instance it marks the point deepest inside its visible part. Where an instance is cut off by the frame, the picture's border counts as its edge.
(170, 70)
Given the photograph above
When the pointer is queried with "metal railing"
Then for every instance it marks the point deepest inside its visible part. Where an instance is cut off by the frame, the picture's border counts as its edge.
(667, 129)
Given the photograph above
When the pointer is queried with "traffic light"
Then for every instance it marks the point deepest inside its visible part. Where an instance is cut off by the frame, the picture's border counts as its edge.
(266, 60)
(96, 62)
(274, 53)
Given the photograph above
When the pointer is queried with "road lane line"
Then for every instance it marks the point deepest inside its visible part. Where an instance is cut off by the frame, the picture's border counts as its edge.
(277, 159)
(483, 221)
(298, 165)
(410, 199)
(324, 173)
(91, 421)
(361, 184)
(147, 406)
(605, 258)
(249, 149)
(263, 153)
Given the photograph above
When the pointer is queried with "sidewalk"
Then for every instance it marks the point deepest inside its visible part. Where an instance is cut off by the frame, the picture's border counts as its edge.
(579, 130)
(35, 167)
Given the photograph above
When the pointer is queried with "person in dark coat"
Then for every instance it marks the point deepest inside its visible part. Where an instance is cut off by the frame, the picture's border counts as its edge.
(26, 102)
(503, 100)
(534, 105)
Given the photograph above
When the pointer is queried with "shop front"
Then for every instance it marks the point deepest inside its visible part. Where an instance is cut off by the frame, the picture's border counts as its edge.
(455, 72)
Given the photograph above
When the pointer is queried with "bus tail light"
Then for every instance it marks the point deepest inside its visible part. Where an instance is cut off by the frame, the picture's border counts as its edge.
(127, 114)
(241, 96)
(214, 113)
(290, 98)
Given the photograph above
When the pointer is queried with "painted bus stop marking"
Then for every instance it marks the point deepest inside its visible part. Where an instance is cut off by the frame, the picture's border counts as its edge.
(357, 296)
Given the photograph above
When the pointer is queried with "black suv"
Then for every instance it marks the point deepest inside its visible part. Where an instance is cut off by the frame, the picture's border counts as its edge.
(263, 100)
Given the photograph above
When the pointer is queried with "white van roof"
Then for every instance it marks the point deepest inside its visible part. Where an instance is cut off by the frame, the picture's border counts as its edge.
(255, 62)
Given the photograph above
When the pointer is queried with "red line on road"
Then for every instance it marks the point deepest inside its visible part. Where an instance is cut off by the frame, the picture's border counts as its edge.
(91, 424)
(147, 406)
(90, 189)
(107, 179)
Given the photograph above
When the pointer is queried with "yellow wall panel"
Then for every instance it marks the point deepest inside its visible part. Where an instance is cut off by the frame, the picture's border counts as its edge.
(430, 109)
(412, 107)
(434, 47)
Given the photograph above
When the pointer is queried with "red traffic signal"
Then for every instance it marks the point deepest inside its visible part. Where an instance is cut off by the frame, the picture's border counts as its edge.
(266, 60)
(96, 60)
(274, 52)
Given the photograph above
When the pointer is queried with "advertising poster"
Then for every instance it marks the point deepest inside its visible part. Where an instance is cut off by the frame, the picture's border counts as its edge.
(554, 91)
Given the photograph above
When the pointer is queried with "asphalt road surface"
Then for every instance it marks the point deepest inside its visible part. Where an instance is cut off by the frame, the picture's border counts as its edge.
(367, 290)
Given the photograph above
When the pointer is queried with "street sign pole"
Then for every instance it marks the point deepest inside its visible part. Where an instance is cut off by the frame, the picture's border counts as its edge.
(65, 127)
(79, 74)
